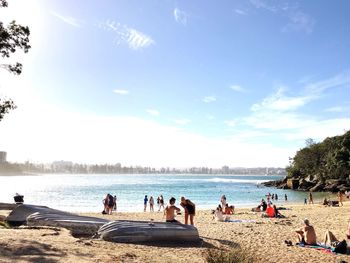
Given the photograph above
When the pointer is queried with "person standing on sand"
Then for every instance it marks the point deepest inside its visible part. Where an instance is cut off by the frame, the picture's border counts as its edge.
(170, 210)
(307, 234)
(161, 202)
(285, 197)
(145, 201)
(151, 204)
(340, 198)
(311, 199)
(158, 203)
(190, 209)
(115, 203)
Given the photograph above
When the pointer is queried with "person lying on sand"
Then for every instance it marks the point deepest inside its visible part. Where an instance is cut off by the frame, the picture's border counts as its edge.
(307, 234)
(170, 210)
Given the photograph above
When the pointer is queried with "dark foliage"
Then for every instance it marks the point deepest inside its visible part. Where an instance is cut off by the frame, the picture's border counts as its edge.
(329, 159)
(12, 38)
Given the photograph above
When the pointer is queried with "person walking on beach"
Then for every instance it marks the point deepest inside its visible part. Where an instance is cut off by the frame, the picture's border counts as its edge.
(115, 203)
(145, 201)
(151, 204)
(340, 198)
(161, 202)
(190, 209)
(170, 210)
(285, 197)
(311, 199)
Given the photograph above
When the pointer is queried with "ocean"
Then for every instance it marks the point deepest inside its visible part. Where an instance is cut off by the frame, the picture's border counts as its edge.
(84, 193)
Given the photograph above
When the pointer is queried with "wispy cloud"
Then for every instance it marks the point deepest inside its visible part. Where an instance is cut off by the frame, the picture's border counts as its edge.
(300, 21)
(134, 38)
(68, 19)
(209, 99)
(282, 114)
(182, 121)
(297, 20)
(153, 112)
(237, 88)
(231, 123)
(121, 91)
(240, 12)
(279, 101)
(180, 16)
(336, 109)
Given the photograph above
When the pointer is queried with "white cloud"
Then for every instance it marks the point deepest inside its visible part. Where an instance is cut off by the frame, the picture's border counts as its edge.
(180, 16)
(240, 12)
(341, 79)
(182, 121)
(68, 19)
(237, 88)
(209, 99)
(121, 91)
(153, 112)
(134, 38)
(279, 101)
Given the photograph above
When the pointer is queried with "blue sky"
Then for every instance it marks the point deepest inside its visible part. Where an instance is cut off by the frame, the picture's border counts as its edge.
(177, 83)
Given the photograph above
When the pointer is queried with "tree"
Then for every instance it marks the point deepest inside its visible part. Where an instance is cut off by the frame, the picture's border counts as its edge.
(12, 38)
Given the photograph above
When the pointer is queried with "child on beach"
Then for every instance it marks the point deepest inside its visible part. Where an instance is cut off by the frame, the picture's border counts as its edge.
(145, 201)
(170, 210)
(190, 209)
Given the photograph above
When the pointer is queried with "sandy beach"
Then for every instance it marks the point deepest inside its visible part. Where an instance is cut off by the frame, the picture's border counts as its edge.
(263, 239)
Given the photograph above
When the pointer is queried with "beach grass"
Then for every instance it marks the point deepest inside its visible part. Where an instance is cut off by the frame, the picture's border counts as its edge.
(236, 255)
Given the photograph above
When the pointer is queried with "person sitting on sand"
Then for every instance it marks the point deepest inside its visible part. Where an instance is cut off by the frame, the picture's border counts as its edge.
(270, 212)
(218, 215)
(190, 209)
(223, 200)
(170, 210)
(263, 205)
(307, 234)
(229, 210)
(277, 213)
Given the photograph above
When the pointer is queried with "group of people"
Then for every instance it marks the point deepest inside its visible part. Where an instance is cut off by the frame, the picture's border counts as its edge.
(223, 211)
(171, 210)
(150, 201)
(307, 236)
(109, 204)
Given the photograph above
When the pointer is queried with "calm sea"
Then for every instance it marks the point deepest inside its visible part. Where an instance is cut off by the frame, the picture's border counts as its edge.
(84, 193)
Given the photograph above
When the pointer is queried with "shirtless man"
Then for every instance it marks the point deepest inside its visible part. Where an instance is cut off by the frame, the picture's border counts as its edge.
(170, 210)
(307, 234)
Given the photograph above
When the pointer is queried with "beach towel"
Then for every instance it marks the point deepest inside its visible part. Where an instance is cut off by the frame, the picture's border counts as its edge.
(240, 221)
(320, 247)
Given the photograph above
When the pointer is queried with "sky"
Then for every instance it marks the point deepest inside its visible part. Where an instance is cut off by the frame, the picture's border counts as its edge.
(166, 83)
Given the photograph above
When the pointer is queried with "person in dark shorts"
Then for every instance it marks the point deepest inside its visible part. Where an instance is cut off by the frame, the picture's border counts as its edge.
(190, 209)
(170, 210)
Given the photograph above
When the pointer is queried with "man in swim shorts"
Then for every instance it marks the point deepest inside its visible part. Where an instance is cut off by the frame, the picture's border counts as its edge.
(307, 234)
(170, 210)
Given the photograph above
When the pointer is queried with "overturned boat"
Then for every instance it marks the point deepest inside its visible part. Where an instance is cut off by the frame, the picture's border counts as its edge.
(142, 231)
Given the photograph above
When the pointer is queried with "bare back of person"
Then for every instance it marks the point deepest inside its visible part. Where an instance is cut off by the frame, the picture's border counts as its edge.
(309, 235)
(170, 211)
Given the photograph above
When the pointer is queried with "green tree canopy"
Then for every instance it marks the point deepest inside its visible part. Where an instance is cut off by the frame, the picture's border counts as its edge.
(12, 38)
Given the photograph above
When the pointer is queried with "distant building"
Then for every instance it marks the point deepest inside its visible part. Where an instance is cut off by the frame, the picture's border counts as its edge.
(3, 157)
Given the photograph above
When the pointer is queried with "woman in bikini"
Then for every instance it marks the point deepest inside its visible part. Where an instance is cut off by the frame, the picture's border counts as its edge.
(190, 209)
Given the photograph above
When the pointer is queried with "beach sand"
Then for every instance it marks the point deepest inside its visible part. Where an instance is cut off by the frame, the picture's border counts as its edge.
(263, 239)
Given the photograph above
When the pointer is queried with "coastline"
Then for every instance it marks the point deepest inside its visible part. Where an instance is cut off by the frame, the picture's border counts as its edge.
(263, 238)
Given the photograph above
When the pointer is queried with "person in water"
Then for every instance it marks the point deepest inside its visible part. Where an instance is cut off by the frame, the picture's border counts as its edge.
(307, 234)
(190, 209)
(170, 211)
